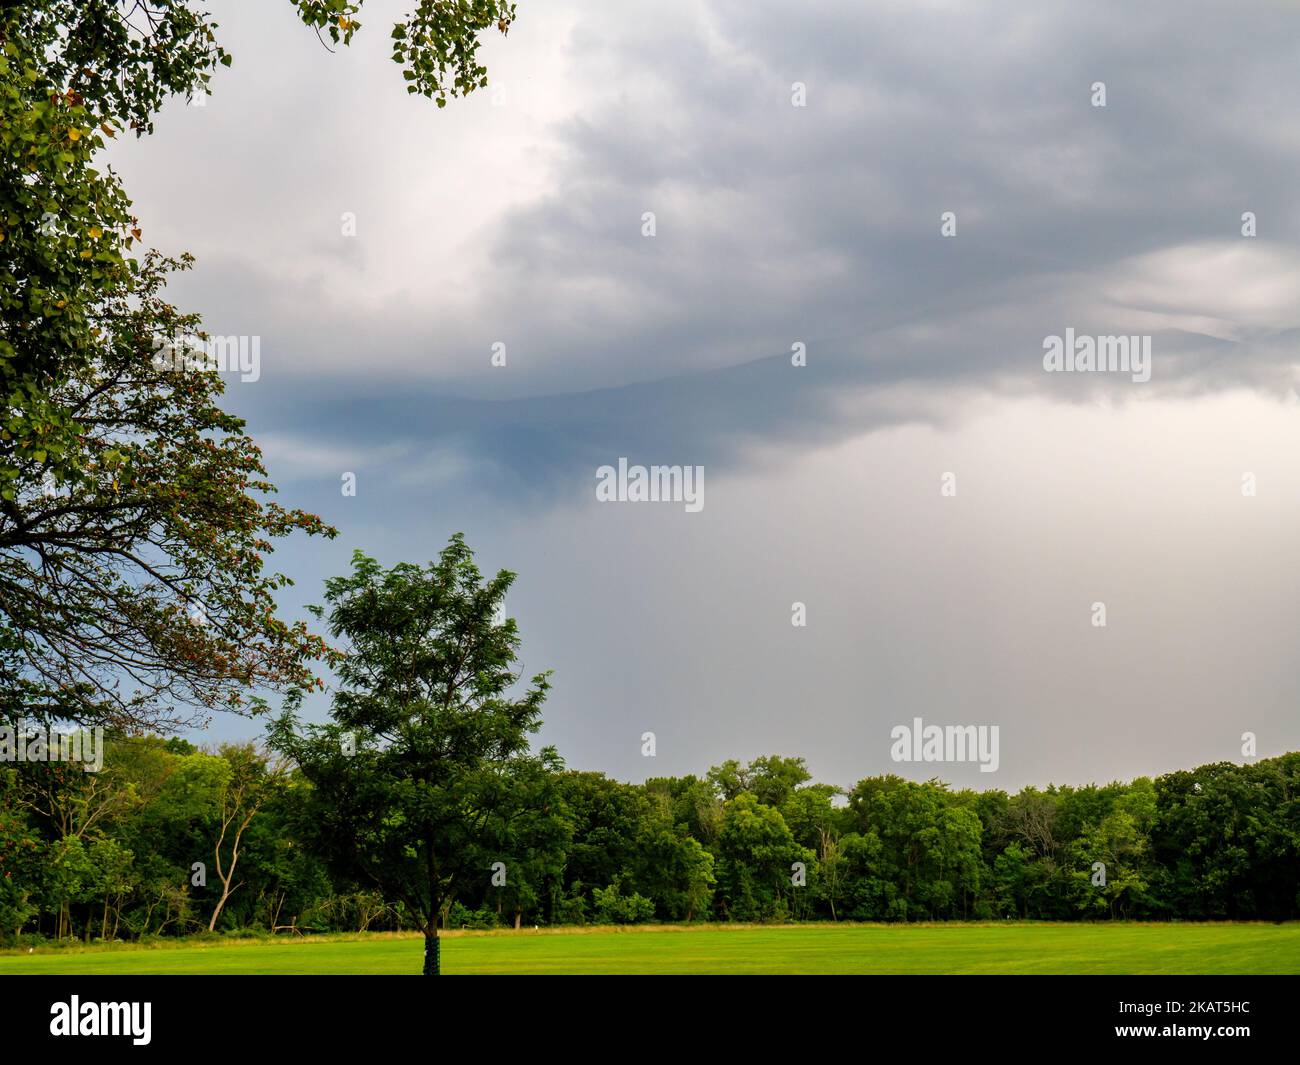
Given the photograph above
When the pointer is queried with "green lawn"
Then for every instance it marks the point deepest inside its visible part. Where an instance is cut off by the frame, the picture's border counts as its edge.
(990, 948)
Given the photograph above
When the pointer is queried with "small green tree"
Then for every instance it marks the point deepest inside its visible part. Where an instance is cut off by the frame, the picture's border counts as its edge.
(756, 851)
(415, 779)
(249, 780)
(613, 907)
(529, 838)
(22, 856)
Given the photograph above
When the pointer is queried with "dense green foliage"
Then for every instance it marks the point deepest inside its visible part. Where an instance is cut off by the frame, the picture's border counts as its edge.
(131, 503)
(110, 854)
(424, 780)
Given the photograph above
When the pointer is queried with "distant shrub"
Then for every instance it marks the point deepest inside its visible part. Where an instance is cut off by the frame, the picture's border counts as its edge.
(613, 907)
(461, 917)
(571, 910)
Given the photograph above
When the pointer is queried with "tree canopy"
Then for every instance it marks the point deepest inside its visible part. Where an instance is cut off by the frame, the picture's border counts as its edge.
(135, 513)
(424, 781)
(110, 856)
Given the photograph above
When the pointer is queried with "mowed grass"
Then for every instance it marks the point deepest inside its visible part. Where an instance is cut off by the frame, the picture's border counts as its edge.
(969, 948)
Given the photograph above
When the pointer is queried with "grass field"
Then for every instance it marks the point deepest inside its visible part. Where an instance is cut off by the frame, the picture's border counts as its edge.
(971, 948)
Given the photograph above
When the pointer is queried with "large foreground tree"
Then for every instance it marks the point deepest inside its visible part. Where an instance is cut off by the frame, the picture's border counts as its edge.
(423, 784)
(135, 518)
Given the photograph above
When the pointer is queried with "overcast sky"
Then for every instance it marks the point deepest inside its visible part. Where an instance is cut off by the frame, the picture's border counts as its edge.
(515, 217)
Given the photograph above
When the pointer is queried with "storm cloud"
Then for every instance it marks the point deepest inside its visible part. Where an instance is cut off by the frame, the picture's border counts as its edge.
(516, 218)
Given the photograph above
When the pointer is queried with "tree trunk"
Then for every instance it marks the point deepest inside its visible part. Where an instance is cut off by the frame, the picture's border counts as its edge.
(432, 961)
(221, 902)
(518, 918)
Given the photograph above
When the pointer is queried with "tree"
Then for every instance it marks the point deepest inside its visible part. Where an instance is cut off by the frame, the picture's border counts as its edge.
(529, 839)
(248, 782)
(770, 779)
(756, 851)
(811, 815)
(614, 907)
(692, 803)
(111, 878)
(608, 817)
(929, 845)
(131, 505)
(415, 778)
(128, 500)
(22, 855)
(774, 778)
(728, 779)
(1227, 838)
(870, 892)
(674, 871)
(1117, 843)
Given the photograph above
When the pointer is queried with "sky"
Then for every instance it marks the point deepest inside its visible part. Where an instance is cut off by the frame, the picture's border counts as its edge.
(948, 512)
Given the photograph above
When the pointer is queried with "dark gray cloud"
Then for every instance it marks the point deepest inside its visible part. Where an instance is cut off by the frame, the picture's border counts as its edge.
(521, 224)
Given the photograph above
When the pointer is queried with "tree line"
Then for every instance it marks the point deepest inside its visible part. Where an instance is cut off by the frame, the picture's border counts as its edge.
(422, 804)
(112, 855)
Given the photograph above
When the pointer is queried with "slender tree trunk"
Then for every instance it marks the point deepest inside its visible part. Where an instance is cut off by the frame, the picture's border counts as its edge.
(518, 918)
(432, 947)
(432, 960)
(221, 902)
